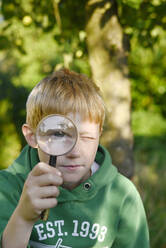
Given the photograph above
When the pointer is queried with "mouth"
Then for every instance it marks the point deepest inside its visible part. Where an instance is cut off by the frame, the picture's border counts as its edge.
(71, 167)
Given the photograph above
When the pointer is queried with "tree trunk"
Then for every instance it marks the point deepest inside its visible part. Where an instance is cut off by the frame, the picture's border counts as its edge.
(108, 48)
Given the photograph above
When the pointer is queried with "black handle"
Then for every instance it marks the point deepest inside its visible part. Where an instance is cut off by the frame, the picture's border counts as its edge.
(52, 162)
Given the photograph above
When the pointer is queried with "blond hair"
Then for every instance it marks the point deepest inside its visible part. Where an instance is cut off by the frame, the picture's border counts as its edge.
(65, 92)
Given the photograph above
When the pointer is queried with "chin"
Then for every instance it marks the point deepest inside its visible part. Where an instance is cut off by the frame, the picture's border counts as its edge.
(71, 184)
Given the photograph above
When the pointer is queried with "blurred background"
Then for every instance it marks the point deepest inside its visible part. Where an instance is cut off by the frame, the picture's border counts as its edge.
(121, 44)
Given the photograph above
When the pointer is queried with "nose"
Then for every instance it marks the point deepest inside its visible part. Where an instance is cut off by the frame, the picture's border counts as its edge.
(75, 152)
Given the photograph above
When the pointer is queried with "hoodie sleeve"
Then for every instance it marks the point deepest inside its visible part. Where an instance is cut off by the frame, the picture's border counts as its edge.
(132, 231)
(9, 197)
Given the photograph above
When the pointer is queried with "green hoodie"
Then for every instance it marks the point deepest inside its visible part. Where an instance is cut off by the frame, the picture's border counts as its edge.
(104, 211)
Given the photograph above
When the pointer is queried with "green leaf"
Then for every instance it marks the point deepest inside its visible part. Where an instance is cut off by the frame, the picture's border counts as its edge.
(132, 3)
(4, 42)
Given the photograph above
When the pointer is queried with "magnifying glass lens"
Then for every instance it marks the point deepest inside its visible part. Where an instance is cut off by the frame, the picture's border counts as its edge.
(56, 135)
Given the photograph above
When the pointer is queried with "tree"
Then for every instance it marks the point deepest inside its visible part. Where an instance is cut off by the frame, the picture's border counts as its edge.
(108, 48)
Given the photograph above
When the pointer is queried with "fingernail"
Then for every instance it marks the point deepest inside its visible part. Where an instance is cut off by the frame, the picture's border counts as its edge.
(59, 173)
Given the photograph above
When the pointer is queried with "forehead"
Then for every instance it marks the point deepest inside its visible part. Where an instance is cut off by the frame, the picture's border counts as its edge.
(84, 125)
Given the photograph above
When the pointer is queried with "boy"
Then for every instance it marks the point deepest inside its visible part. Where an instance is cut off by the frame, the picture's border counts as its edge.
(91, 204)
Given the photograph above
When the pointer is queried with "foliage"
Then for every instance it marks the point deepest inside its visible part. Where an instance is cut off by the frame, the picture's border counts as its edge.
(146, 29)
(147, 70)
(32, 46)
(148, 123)
(150, 180)
(132, 3)
(150, 175)
(145, 23)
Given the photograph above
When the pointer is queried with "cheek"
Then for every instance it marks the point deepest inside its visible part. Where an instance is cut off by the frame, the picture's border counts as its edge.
(90, 151)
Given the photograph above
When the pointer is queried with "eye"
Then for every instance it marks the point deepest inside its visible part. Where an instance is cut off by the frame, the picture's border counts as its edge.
(87, 138)
(59, 134)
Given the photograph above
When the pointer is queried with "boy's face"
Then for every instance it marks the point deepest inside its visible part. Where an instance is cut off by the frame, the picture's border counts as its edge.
(76, 165)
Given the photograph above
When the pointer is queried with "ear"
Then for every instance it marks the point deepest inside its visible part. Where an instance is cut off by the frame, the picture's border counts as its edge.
(29, 135)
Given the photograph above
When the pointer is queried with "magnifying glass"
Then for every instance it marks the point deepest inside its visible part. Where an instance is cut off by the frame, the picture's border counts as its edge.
(56, 135)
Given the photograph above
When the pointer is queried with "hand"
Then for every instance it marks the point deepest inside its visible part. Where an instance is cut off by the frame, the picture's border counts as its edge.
(40, 191)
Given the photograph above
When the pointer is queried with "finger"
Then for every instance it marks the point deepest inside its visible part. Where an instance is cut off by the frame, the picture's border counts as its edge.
(46, 203)
(43, 168)
(40, 169)
(48, 179)
(48, 192)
